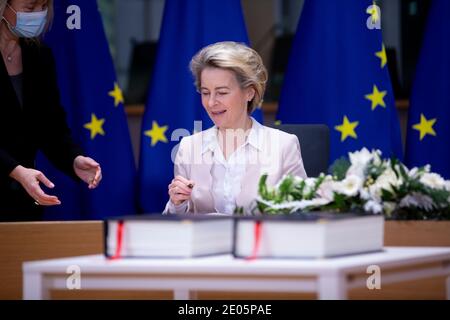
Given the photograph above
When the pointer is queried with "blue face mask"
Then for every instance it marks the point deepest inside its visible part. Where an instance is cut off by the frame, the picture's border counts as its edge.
(28, 24)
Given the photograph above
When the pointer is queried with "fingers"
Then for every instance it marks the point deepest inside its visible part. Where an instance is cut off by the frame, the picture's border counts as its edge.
(180, 189)
(30, 179)
(183, 185)
(188, 183)
(178, 198)
(88, 170)
(41, 197)
(86, 162)
(93, 183)
(44, 199)
(42, 178)
(98, 174)
(91, 162)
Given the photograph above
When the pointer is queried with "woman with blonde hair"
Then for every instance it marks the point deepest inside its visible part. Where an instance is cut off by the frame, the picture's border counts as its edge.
(31, 117)
(217, 170)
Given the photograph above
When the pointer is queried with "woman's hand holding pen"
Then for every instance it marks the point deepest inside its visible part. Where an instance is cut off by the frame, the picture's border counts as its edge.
(180, 190)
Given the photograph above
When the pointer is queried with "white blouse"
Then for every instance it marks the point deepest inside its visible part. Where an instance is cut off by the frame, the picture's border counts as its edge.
(226, 174)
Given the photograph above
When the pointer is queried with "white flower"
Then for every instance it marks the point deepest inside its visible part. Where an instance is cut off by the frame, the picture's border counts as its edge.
(297, 180)
(414, 173)
(326, 188)
(349, 186)
(432, 180)
(387, 180)
(375, 192)
(359, 161)
(376, 157)
(447, 185)
(373, 207)
(309, 185)
(399, 166)
(367, 191)
(360, 157)
(310, 182)
(364, 194)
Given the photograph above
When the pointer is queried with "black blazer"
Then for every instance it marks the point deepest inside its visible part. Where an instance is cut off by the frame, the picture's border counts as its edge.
(40, 124)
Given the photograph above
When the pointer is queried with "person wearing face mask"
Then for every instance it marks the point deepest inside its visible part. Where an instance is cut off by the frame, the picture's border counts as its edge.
(31, 117)
(218, 170)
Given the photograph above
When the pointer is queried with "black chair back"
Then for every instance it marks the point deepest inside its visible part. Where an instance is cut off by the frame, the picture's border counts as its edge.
(314, 143)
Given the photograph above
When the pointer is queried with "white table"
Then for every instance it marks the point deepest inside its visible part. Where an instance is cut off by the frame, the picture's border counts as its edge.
(330, 278)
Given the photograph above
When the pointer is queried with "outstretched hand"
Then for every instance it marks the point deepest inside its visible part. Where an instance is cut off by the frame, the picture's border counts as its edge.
(30, 179)
(88, 170)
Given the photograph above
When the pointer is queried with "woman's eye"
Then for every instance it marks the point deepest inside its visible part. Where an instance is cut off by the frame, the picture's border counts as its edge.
(222, 93)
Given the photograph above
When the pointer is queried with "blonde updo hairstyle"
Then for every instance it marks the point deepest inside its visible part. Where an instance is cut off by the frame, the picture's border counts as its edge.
(243, 61)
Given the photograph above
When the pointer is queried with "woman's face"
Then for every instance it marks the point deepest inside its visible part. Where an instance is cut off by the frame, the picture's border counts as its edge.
(223, 98)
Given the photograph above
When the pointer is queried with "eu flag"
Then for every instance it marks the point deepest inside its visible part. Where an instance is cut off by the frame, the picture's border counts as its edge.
(337, 75)
(429, 112)
(173, 103)
(94, 105)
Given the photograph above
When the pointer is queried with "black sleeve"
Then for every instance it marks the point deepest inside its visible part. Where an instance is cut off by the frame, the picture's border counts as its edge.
(7, 164)
(56, 142)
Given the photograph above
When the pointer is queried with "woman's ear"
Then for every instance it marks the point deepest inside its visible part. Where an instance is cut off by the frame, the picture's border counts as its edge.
(250, 93)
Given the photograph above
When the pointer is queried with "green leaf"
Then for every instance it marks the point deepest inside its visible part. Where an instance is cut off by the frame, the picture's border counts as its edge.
(262, 187)
(339, 167)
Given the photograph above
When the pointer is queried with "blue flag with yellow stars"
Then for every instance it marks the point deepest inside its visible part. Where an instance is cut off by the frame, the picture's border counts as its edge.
(429, 112)
(173, 103)
(93, 102)
(338, 75)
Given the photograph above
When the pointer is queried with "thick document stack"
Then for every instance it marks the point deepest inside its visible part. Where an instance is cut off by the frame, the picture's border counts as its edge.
(303, 235)
(168, 236)
(307, 235)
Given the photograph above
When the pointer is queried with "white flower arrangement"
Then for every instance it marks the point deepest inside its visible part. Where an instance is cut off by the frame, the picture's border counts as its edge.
(363, 183)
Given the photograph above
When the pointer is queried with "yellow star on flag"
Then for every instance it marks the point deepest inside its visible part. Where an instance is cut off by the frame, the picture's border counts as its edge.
(116, 93)
(425, 126)
(347, 129)
(157, 133)
(95, 126)
(382, 55)
(377, 97)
